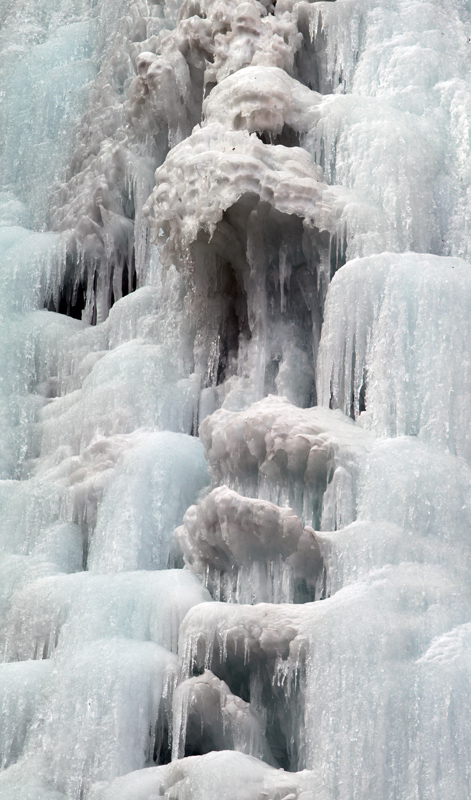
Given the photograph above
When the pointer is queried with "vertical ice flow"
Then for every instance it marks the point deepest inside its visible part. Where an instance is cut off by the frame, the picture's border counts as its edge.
(235, 479)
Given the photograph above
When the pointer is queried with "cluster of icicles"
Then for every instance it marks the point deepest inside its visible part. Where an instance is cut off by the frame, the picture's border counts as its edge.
(312, 638)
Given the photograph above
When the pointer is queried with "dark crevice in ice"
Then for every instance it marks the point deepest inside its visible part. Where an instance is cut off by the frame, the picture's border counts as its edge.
(307, 58)
(242, 673)
(162, 747)
(338, 253)
(288, 137)
(200, 739)
(77, 296)
(260, 274)
(362, 396)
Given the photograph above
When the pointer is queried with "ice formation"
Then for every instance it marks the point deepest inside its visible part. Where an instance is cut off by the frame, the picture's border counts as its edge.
(250, 550)
(235, 467)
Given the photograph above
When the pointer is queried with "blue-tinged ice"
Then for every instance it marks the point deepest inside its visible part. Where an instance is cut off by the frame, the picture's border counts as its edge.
(401, 362)
(234, 400)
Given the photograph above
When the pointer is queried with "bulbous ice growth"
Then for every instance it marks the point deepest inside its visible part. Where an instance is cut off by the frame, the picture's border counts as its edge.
(249, 550)
(234, 165)
(259, 651)
(198, 777)
(307, 458)
(258, 258)
(265, 100)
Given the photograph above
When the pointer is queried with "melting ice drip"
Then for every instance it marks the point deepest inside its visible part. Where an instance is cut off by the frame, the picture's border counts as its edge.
(257, 231)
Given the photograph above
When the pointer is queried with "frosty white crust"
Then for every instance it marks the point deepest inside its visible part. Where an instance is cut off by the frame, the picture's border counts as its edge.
(212, 169)
(249, 545)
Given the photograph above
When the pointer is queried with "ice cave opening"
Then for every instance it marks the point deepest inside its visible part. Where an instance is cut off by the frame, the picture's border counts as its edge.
(235, 461)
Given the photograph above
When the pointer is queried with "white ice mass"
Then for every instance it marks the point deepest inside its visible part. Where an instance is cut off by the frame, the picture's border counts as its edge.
(235, 385)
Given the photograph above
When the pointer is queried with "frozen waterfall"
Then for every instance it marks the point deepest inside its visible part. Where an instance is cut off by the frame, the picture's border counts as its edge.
(235, 384)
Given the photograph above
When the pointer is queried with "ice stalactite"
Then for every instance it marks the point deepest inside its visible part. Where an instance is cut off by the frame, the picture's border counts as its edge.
(234, 371)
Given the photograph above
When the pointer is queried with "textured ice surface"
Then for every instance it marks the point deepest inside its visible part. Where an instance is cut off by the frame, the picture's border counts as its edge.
(308, 458)
(21, 686)
(249, 550)
(263, 99)
(252, 242)
(390, 621)
(101, 711)
(304, 169)
(200, 777)
(67, 611)
(403, 355)
(394, 77)
(167, 471)
(235, 165)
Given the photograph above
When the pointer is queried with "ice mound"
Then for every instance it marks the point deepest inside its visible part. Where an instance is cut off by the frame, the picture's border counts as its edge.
(54, 61)
(220, 631)
(167, 471)
(249, 550)
(37, 512)
(262, 99)
(423, 515)
(21, 687)
(349, 136)
(28, 776)
(443, 673)
(195, 779)
(101, 713)
(235, 164)
(13, 213)
(390, 621)
(403, 355)
(378, 543)
(252, 39)
(291, 455)
(391, 112)
(79, 368)
(106, 404)
(260, 652)
(65, 612)
(247, 240)
(241, 442)
(30, 266)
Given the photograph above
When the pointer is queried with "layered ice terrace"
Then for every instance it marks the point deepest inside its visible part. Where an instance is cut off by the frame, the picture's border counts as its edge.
(235, 466)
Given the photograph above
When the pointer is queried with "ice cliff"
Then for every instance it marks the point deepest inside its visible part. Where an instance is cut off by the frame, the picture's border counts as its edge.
(235, 463)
